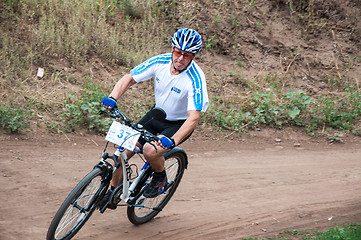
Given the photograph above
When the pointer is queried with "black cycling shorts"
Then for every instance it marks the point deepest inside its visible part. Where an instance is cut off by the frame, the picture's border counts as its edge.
(160, 127)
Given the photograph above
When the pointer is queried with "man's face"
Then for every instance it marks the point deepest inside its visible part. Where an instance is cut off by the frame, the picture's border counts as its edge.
(181, 59)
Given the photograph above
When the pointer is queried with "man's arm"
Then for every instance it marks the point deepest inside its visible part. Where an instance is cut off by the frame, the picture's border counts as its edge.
(188, 126)
(122, 85)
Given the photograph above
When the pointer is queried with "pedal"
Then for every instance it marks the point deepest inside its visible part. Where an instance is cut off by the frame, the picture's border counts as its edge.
(117, 192)
(102, 210)
(113, 200)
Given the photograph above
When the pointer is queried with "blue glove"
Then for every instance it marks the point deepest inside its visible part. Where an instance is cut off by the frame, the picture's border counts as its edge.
(167, 142)
(109, 102)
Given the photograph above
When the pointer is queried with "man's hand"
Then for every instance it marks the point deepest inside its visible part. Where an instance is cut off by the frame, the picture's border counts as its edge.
(167, 142)
(109, 102)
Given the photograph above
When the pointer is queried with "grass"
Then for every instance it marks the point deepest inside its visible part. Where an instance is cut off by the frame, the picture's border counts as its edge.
(123, 33)
(82, 110)
(76, 31)
(293, 108)
(344, 232)
(73, 33)
(14, 119)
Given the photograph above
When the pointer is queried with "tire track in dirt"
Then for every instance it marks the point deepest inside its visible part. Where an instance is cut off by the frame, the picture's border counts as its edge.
(253, 191)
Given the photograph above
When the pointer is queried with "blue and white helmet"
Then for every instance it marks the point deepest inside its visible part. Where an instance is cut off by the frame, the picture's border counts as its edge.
(187, 40)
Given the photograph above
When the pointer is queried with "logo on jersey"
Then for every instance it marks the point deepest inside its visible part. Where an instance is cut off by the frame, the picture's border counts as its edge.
(177, 90)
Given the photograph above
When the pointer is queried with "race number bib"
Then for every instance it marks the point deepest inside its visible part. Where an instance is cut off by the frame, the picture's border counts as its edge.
(122, 135)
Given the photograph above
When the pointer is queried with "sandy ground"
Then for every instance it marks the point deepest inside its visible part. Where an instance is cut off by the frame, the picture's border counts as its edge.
(256, 187)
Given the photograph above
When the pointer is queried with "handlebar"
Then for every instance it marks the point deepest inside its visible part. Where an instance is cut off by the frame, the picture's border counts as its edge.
(120, 116)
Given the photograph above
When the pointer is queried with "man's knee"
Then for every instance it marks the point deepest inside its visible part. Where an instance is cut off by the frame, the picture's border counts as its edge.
(149, 152)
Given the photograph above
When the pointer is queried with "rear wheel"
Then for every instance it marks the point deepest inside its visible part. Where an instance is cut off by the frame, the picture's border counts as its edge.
(144, 208)
(77, 207)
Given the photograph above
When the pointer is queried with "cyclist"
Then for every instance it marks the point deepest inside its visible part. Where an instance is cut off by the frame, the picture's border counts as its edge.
(179, 89)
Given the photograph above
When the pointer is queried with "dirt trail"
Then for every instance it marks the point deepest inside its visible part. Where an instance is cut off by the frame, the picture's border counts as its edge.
(254, 189)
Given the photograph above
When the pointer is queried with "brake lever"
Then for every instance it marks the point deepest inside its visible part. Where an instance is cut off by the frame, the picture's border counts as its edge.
(103, 112)
(150, 140)
(111, 113)
(156, 149)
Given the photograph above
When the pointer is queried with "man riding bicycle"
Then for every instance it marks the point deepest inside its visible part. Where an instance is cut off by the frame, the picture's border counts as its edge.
(180, 90)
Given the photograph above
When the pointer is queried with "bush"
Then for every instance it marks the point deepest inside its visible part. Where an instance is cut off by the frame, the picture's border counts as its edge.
(294, 108)
(14, 119)
(83, 111)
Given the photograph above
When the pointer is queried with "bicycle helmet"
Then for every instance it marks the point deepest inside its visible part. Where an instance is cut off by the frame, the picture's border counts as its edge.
(187, 40)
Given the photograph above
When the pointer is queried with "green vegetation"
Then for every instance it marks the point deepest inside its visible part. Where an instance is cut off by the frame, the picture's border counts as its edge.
(345, 232)
(13, 118)
(58, 35)
(83, 111)
(291, 108)
(67, 38)
(77, 31)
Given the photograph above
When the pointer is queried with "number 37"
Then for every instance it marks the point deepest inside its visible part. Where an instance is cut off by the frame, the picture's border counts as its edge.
(123, 134)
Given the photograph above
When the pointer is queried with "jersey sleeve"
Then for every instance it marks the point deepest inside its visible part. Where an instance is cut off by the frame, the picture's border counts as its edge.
(198, 95)
(146, 70)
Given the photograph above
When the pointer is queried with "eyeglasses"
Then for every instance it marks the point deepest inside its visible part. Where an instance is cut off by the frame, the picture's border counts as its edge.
(186, 55)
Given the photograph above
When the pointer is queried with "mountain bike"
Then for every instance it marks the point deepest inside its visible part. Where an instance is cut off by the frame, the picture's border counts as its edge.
(84, 199)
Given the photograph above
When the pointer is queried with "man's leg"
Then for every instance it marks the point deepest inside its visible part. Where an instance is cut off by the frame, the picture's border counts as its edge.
(154, 157)
(156, 161)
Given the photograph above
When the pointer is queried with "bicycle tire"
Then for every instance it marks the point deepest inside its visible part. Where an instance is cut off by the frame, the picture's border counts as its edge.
(175, 163)
(78, 206)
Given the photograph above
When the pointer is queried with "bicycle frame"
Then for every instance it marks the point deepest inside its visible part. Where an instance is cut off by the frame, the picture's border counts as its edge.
(128, 189)
(89, 193)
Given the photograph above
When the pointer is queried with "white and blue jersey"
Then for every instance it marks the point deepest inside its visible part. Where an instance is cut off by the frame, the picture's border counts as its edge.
(175, 94)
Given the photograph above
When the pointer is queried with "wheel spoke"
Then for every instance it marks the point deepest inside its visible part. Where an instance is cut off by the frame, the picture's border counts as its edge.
(65, 224)
(147, 205)
(77, 207)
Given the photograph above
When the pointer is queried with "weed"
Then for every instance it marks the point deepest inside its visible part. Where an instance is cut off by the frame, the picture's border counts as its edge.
(83, 111)
(338, 112)
(343, 232)
(68, 30)
(129, 8)
(252, 3)
(335, 138)
(295, 232)
(235, 21)
(13, 118)
(298, 107)
(348, 231)
(293, 108)
(266, 109)
(126, 32)
(12, 4)
(211, 43)
(356, 131)
(217, 19)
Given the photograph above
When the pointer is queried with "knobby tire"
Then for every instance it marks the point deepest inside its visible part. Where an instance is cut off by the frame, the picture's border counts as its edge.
(175, 163)
(77, 207)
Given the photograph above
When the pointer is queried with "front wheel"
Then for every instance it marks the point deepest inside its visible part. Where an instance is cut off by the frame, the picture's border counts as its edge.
(147, 208)
(77, 207)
